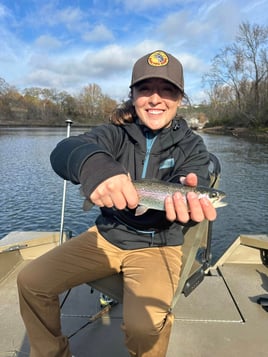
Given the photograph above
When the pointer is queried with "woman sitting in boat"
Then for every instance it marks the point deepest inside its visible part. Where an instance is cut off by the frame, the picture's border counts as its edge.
(150, 142)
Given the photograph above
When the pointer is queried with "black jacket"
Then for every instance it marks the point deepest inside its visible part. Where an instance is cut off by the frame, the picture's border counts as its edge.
(131, 148)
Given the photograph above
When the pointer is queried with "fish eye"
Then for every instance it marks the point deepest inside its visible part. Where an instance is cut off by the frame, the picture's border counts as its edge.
(214, 194)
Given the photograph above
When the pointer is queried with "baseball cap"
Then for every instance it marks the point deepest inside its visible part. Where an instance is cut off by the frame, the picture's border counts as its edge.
(158, 64)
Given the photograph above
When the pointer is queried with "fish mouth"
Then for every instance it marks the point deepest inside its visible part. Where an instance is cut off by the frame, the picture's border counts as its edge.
(220, 204)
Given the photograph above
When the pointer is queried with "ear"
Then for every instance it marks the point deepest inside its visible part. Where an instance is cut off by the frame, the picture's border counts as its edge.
(131, 96)
(179, 101)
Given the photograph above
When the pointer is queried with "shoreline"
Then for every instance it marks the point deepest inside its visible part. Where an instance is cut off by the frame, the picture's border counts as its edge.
(253, 134)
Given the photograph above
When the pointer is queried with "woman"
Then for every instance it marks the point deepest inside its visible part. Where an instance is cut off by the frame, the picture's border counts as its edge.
(144, 140)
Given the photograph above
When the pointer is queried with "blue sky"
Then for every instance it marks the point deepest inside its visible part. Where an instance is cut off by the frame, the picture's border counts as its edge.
(67, 45)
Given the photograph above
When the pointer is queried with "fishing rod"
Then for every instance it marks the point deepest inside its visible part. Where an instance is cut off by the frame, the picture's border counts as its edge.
(69, 124)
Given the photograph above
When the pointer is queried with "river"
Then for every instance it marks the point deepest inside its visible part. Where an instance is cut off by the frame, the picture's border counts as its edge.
(31, 193)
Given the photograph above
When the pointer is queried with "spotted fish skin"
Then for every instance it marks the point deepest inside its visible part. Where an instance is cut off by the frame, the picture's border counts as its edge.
(152, 194)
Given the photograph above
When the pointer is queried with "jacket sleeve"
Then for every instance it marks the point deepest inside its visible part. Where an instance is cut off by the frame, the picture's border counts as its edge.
(86, 159)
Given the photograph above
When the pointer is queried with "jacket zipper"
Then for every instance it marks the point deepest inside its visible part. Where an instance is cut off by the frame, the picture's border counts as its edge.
(150, 138)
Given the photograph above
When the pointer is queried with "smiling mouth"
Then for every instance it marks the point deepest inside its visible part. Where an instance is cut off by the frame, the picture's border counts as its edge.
(155, 111)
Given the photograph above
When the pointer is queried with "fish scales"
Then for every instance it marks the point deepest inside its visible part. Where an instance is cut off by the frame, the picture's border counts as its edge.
(152, 194)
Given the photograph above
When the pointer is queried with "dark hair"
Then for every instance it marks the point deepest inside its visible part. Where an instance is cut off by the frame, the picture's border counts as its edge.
(125, 112)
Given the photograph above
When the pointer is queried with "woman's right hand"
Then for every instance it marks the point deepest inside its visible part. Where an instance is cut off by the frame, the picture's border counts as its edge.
(116, 191)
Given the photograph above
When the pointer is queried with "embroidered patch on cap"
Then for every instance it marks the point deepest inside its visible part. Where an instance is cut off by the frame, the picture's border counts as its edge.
(158, 59)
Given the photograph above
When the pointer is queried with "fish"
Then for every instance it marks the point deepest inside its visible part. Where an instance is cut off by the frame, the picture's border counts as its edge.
(152, 194)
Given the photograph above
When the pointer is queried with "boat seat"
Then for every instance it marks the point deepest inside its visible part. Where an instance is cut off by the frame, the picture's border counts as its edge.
(196, 254)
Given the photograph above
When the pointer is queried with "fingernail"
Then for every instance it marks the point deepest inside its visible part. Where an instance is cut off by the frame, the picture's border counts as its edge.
(192, 195)
(168, 199)
(206, 201)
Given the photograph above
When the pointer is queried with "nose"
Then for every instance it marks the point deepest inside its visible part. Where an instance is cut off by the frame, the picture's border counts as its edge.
(155, 97)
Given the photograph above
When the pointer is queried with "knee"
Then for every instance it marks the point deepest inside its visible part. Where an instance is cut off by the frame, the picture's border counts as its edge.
(27, 278)
(142, 325)
(22, 278)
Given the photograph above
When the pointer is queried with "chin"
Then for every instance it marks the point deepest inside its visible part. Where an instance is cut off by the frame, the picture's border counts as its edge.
(157, 125)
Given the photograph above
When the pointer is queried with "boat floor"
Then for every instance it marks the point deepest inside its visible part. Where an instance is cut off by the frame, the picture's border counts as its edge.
(221, 317)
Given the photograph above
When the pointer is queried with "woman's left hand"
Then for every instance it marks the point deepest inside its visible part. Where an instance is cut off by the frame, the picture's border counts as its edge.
(196, 210)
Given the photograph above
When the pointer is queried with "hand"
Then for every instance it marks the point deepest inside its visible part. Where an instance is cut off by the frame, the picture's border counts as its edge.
(197, 209)
(117, 191)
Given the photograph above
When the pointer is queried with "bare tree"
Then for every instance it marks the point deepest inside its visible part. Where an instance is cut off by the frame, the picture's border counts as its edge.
(94, 105)
(242, 67)
(253, 40)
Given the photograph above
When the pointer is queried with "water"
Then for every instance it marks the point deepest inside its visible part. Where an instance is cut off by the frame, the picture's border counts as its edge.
(244, 178)
(31, 193)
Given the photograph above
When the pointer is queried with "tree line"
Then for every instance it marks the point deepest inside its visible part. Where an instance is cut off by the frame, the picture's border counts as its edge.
(236, 86)
(237, 82)
(44, 106)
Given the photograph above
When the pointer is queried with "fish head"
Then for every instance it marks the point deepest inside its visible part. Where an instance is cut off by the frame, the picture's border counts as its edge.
(215, 197)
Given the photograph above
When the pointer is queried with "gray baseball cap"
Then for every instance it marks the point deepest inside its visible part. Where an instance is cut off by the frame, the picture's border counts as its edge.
(158, 64)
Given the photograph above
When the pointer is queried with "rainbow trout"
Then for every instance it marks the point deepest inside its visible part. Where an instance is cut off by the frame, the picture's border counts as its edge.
(152, 194)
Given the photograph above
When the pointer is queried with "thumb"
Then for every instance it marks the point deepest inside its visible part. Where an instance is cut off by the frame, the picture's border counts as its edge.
(191, 180)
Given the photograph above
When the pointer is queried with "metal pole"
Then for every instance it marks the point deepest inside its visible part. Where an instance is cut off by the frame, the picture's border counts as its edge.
(69, 123)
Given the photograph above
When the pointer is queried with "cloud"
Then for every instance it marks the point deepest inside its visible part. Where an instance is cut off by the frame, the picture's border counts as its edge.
(198, 26)
(73, 70)
(3, 11)
(48, 14)
(48, 42)
(136, 6)
(100, 33)
(67, 46)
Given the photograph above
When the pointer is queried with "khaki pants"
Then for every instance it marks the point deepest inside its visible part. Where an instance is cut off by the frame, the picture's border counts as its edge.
(150, 280)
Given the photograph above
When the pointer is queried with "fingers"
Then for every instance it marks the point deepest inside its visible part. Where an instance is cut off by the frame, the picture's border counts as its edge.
(176, 208)
(195, 209)
(208, 210)
(190, 180)
(117, 191)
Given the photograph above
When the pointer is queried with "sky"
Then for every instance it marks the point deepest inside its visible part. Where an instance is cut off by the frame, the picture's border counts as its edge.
(67, 45)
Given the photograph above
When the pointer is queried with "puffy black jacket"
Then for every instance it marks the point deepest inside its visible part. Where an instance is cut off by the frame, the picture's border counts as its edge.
(109, 150)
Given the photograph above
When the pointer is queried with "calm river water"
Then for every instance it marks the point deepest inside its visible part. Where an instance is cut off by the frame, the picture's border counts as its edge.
(31, 193)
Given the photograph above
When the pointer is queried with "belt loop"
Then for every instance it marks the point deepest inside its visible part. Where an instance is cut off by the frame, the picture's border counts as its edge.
(152, 239)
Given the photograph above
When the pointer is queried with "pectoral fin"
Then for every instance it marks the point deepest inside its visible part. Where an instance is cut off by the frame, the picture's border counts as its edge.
(141, 210)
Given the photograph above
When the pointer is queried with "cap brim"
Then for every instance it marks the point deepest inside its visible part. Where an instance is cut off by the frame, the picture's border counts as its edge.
(155, 76)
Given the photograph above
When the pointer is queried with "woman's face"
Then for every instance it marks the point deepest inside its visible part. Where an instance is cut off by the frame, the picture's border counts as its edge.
(156, 101)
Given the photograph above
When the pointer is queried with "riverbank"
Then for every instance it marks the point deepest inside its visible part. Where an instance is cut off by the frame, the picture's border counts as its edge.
(249, 133)
(254, 134)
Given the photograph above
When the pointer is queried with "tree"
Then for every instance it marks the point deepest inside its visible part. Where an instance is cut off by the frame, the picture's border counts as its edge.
(4, 87)
(94, 105)
(48, 106)
(68, 104)
(240, 70)
(253, 40)
(107, 106)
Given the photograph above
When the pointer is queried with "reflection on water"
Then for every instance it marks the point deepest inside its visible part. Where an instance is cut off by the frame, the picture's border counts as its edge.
(31, 193)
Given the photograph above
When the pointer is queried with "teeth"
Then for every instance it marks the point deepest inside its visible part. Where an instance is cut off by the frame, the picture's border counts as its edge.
(155, 111)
